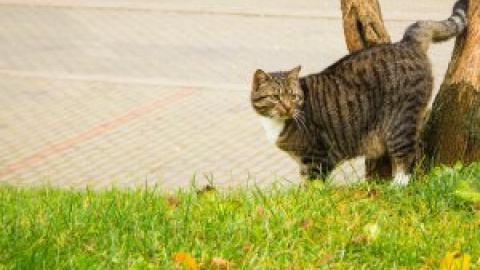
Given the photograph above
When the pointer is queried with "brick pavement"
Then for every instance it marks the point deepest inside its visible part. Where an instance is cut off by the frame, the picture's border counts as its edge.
(129, 93)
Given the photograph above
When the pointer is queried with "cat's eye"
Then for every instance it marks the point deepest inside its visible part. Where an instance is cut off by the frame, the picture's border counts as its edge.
(296, 97)
(275, 99)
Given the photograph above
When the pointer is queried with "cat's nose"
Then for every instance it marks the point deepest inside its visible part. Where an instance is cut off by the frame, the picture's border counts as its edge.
(287, 106)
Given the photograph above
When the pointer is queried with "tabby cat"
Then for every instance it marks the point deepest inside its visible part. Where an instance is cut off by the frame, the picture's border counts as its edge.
(368, 103)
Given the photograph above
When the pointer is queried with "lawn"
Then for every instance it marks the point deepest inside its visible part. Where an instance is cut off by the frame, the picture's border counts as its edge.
(427, 225)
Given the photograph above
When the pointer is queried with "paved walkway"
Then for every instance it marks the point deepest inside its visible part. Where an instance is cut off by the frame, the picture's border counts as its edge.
(133, 93)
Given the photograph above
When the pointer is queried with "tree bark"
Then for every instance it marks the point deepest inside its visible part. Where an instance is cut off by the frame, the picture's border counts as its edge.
(363, 24)
(453, 131)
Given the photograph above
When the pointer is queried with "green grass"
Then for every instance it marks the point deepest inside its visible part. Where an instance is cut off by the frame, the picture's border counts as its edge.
(369, 226)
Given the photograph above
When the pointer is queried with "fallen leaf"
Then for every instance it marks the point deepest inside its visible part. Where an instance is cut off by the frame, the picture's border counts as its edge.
(342, 208)
(454, 260)
(247, 247)
(260, 211)
(360, 239)
(325, 258)
(186, 260)
(306, 223)
(173, 201)
(221, 263)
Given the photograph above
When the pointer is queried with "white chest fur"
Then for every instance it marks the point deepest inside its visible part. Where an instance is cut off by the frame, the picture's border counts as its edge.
(273, 127)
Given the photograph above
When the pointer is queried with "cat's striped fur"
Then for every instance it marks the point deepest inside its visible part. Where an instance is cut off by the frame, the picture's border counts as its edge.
(368, 103)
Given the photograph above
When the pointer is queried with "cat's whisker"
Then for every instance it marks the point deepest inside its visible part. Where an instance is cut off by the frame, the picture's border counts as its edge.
(300, 121)
(300, 115)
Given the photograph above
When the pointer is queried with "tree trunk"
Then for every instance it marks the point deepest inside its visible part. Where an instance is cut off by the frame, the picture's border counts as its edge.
(453, 130)
(363, 24)
(363, 27)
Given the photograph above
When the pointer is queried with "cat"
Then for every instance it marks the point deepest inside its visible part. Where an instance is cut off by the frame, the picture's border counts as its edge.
(370, 103)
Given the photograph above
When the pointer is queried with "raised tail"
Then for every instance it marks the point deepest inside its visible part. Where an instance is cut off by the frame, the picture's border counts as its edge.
(425, 32)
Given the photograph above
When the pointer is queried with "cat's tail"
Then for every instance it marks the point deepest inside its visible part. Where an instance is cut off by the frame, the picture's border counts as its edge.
(425, 32)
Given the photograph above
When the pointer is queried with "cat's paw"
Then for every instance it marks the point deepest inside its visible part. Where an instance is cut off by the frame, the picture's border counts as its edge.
(401, 179)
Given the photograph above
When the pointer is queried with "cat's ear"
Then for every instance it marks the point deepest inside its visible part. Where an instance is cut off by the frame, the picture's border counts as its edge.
(259, 78)
(294, 73)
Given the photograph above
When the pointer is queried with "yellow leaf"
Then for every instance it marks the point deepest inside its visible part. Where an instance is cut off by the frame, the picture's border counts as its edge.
(454, 260)
(466, 262)
(342, 208)
(86, 202)
(186, 259)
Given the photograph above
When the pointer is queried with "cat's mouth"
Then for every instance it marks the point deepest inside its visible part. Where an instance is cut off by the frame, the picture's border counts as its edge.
(297, 116)
(278, 115)
(281, 117)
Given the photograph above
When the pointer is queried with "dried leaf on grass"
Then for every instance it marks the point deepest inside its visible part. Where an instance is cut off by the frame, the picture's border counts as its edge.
(186, 260)
(306, 223)
(325, 258)
(247, 247)
(260, 211)
(360, 239)
(221, 263)
(342, 208)
(173, 201)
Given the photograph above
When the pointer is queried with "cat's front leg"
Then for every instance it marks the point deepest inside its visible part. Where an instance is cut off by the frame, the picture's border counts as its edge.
(310, 172)
(304, 174)
(304, 178)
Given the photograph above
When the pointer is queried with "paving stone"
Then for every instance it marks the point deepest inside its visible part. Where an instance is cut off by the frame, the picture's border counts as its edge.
(156, 93)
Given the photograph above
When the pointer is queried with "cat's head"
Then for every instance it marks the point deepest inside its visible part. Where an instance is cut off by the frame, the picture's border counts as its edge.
(277, 95)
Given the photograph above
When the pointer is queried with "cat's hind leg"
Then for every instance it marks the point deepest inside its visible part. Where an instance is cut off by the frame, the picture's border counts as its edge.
(402, 163)
(378, 167)
(402, 149)
(401, 171)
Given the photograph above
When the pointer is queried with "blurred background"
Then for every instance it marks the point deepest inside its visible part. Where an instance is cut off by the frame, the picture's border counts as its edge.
(129, 93)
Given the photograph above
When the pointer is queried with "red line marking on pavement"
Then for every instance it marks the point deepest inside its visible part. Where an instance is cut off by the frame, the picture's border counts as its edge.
(94, 132)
